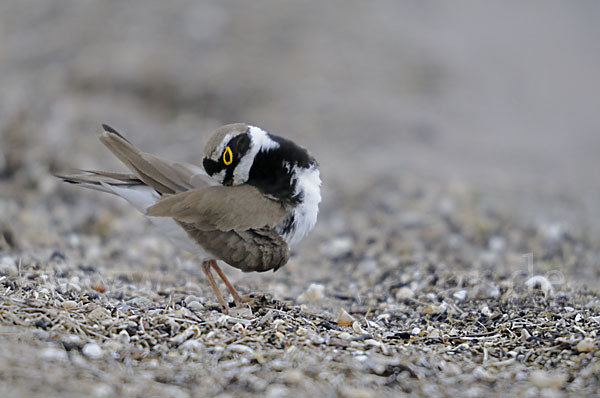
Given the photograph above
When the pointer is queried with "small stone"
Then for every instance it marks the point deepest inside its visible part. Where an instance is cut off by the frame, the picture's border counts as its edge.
(485, 290)
(551, 232)
(302, 331)
(241, 349)
(542, 379)
(539, 282)
(482, 374)
(357, 328)
(355, 392)
(194, 306)
(315, 292)
(54, 354)
(99, 314)
(277, 391)
(92, 351)
(241, 312)
(586, 345)
(123, 337)
(190, 298)
(485, 310)
(103, 390)
(460, 295)
(338, 247)
(192, 345)
(434, 309)
(345, 319)
(497, 244)
(70, 304)
(293, 376)
(8, 266)
(404, 293)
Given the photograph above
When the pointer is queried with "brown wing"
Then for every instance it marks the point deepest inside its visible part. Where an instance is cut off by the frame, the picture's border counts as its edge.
(235, 224)
(237, 208)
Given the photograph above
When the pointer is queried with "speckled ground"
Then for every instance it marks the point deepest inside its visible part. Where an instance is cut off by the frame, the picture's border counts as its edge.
(457, 250)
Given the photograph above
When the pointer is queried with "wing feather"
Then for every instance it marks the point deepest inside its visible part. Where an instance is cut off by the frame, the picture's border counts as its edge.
(238, 208)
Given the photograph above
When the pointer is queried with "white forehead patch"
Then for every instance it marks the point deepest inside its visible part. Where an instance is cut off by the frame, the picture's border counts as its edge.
(259, 141)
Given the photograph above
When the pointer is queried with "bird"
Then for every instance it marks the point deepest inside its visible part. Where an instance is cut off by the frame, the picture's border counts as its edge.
(255, 196)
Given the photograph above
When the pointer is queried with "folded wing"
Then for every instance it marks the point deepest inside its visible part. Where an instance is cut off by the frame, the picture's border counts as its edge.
(236, 224)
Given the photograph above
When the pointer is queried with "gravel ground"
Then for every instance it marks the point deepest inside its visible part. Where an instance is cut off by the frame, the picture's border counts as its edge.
(457, 250)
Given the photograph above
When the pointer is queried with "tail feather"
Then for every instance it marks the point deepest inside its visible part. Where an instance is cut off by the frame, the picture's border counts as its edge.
(165, 176)
(133, 158)
(160, 176)
(100, 180)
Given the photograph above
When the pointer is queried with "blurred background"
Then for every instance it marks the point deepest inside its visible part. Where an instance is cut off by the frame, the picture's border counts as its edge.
(500, 95)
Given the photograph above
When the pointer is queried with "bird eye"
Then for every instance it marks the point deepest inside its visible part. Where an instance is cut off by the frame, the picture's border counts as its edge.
(227, 156)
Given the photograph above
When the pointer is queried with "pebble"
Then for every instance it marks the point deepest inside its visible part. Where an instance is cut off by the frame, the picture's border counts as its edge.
(586, 345)
(485, 290)
(345, 319)
(460, 295)
(54, 354)
(551, 232)
(355, 392)
(357, 328)
(92, 351)
(485, 310)
(70, 304)
(404, 293)
(434, 309)
(241, 312)
(542, 379)
(293, 376)
(482, 374)
(123, 337)
(192, 345)
(241, 349)
(338, 247)
(497, 244)
(195, 306)
(315, 292)
(434, 334)
(539, 282)
(277, 391)
(189, 299)
(8, 266)
(99, 314)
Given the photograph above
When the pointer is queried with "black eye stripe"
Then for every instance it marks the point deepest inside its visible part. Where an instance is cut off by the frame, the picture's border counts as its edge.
(212, 167)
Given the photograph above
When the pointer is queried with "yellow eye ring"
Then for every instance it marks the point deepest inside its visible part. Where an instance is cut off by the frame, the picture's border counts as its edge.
(227, 156)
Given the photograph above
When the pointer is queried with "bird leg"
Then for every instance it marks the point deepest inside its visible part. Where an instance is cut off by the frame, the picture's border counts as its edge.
(236, 296)
(206, 269)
